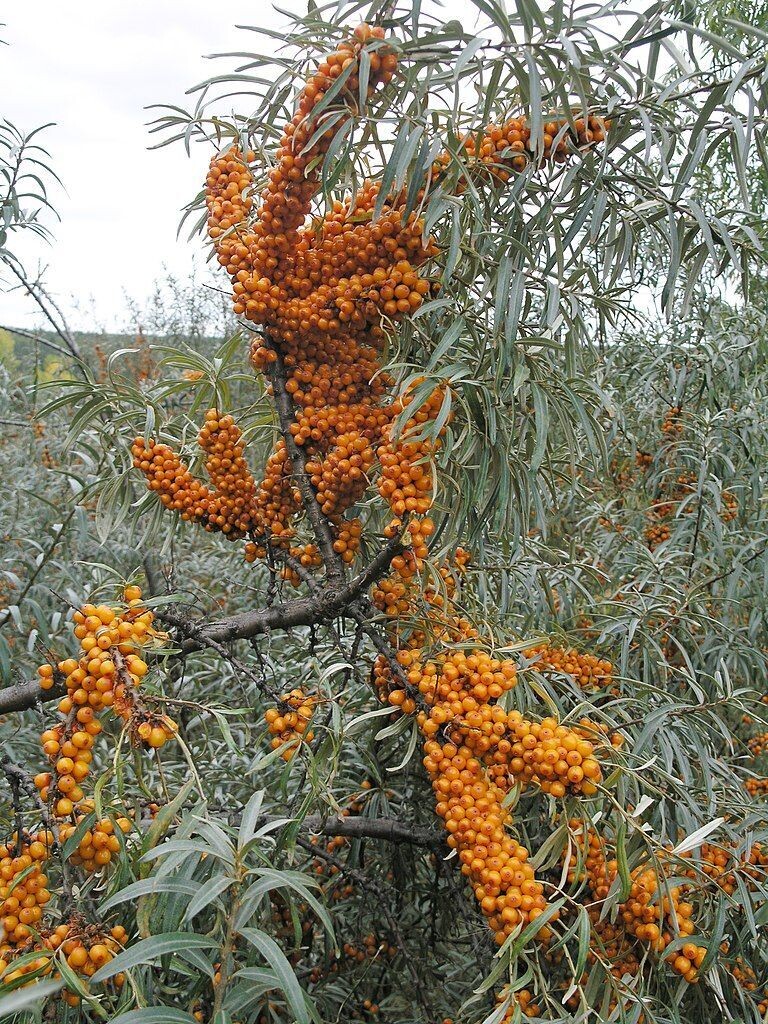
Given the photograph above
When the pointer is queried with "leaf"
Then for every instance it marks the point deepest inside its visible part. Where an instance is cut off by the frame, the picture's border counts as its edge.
(149, 886)
(250, 819)
(277, 960)
(150, 949)
(212, 889)
(155, 1015)
(697, 838)
(28, 996)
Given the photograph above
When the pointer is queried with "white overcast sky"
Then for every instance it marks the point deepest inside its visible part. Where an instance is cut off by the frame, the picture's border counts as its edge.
(92, 66)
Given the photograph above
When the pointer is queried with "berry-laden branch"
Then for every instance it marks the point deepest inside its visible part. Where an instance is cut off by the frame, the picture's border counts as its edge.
(324, 294)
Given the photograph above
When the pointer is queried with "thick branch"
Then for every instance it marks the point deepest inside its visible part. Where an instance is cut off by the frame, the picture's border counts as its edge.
(25, 695)
(304, 611)
(388, 830)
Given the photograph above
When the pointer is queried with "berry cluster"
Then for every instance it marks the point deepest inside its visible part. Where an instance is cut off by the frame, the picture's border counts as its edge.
(672, 424)
(87, 947)
(589, 671)
(370, 947)
(721, 865)
(289, 727)
(654, 912)
(518, 1002)
(325, 291)
(23, 897)
(228, 505)
(508, 147)
(746, 979)
(756, 787)
(472, 807)
(758, 744)
(23, 892)
(475, 750)
(99, 842)
(105, 677)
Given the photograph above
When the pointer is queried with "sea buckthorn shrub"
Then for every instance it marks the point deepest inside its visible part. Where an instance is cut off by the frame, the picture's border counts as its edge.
(497, 690)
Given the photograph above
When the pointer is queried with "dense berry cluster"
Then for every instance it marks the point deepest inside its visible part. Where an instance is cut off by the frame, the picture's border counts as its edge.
(475, 749)
(654, 912)
(23, 892)
(758, 744)
(756, 787)
(672, 424)
(509, 147)
(106, 676)
(289, 725)
(726, 870)
(24, 895)
(229, 505)
(99, 841)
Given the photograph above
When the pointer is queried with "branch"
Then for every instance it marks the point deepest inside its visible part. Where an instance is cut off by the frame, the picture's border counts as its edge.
(25, 695)
(380, 893)
(38, 340)
(389, 830)
(304, 611)
(40, 296)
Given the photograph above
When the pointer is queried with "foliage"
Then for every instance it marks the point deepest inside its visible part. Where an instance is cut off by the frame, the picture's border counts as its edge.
(604, 458)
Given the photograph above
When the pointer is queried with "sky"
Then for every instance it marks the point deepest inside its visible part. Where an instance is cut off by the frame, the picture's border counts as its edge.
(92, 66)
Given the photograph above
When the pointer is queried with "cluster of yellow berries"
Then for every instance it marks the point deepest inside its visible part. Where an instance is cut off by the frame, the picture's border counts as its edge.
(326, 290)
(522, 1001)
(587, 670)
(729, 506)
(106, 676)
(229, 505)
(99, 842)
(758, 744)
(24, 895)
(370, 948)
(23, 892)
(672, 424)
(289, 727)
(746, 978)
(657, 534)
(68, 748)
(472, 808)
(475, 750)
(654, 912)
(720, 865)
(87, 947)
(508, 147)
(756, 787)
